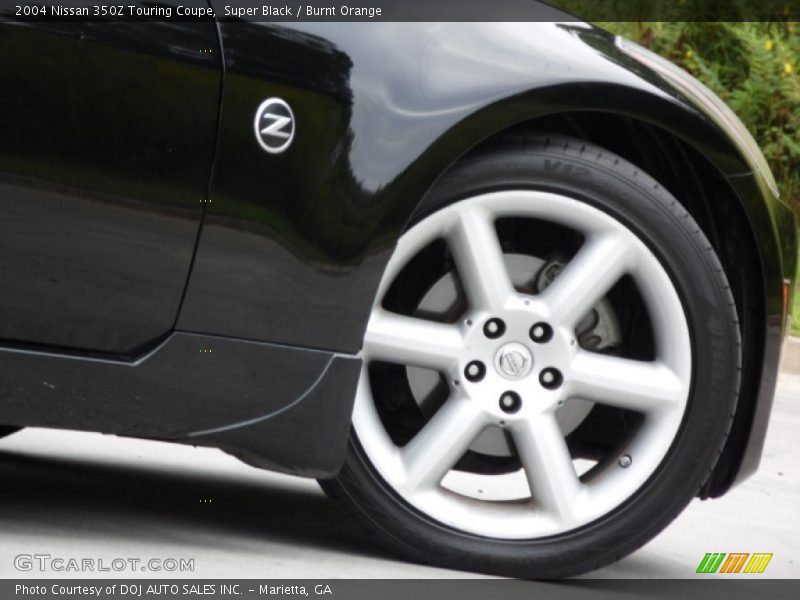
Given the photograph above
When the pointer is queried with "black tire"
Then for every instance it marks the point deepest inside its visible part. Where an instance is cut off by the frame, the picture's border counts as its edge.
(597, 177)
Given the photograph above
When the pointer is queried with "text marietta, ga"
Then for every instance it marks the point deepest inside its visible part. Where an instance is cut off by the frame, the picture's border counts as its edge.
(191, 590)
(300, 11)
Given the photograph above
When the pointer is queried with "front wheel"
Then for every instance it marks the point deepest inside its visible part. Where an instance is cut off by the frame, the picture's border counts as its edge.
(549, 371)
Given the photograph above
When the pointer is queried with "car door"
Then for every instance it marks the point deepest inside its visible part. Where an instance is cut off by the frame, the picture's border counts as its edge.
(107, 134)
(291, 244)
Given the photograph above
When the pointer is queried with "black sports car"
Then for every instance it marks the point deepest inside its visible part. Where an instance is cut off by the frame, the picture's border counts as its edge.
(514, 293)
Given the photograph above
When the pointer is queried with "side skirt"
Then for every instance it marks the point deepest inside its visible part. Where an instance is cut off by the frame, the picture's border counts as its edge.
(276, 407)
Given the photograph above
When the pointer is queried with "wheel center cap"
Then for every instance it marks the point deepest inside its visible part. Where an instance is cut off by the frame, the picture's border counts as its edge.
(513, 361)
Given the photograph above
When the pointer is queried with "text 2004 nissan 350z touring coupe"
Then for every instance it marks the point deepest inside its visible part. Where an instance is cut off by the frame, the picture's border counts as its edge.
(514, 293)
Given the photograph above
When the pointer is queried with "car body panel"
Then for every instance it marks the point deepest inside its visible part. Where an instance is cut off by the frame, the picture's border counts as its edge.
(368, 144)
(247, 397)
(107, 142)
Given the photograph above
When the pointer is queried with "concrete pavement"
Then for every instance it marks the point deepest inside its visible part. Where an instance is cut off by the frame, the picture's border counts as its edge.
(82, 495)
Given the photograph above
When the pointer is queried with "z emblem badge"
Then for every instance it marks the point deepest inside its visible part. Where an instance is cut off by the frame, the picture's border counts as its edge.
(274, 125)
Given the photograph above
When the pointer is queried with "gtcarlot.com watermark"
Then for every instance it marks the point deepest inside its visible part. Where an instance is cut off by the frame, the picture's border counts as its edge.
(59, 564)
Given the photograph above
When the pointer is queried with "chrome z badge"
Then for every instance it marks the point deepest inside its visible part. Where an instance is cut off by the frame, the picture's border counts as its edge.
(274, 125)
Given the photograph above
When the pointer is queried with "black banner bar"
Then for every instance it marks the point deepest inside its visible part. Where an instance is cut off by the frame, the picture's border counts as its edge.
(400, 10)
(409, 589)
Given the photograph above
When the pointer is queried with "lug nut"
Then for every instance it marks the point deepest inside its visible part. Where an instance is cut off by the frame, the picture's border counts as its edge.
(541, 333)
(625, 461)
(475, 371)
(494, 328)
(550, 378)
(510, 402)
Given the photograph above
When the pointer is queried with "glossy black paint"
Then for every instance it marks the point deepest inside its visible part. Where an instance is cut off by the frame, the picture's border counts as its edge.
(377, 122)
(273, 406)
(307, 436)
(308, 237)
(189, 383)
(293, 245)
(106, 143)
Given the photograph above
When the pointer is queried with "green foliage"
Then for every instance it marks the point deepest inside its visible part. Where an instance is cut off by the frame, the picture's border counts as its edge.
(681, 10)
(754, 68)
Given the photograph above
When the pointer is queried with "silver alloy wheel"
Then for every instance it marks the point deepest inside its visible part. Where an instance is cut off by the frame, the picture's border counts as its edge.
(559, 499)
